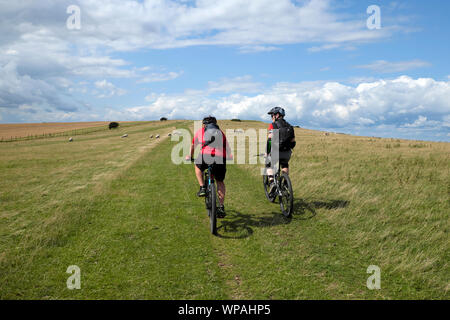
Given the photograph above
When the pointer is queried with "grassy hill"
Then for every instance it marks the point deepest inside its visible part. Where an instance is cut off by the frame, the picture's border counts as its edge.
(120, 210)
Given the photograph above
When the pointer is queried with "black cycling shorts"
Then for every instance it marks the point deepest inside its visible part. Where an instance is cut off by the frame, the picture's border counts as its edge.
(218, 169)
(285, 156)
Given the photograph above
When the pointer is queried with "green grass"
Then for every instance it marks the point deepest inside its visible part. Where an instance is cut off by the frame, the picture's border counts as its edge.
(71, 133)
(129, 218)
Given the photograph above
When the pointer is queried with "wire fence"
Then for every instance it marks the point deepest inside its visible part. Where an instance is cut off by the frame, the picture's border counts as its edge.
(69, 133)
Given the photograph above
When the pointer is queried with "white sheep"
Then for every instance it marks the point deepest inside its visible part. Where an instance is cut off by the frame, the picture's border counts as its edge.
(157, 136)
(70, 139)
(125, 135)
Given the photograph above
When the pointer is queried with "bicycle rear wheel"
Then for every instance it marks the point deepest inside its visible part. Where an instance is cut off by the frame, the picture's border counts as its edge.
(213, 208)
(287, 196)
(266, 185)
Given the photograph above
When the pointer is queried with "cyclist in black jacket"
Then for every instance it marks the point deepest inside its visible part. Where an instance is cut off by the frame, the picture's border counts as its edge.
(277, 114)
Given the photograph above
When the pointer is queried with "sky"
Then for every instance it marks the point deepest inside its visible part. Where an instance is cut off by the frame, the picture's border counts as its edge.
(372, 68)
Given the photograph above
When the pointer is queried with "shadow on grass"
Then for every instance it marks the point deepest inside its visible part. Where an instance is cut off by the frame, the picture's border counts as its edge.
(239, 225)
(307, 209)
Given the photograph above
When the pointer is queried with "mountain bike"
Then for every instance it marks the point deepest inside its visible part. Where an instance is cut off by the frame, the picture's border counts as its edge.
(282, 190)
(211, 193)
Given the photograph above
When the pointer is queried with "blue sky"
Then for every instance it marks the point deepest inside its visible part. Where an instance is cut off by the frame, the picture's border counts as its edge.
(140, 60)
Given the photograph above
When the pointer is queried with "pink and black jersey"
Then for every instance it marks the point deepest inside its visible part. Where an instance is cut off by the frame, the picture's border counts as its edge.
(199, 139)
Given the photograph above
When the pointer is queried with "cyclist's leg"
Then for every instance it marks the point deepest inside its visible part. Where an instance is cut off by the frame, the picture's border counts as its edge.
(199, 175)
(284, 164)
(219, 171)
(269, 170)
(285, 156)
(200, 166)
(221, 192)
(221, 195)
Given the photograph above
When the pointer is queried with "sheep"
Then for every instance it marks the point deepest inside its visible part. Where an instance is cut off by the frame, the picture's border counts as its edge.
(125, 135)
(157, 136)
(151, 136)
(70, 139)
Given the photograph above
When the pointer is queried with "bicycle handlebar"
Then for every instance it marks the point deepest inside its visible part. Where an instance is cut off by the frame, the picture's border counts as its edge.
(260, 155)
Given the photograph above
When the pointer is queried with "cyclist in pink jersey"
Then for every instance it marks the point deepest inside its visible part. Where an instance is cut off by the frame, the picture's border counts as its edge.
(215, 150)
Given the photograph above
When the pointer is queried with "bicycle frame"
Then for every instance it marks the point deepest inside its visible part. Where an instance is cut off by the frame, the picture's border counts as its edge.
(209, 177)
(276, 179)
(276, 176)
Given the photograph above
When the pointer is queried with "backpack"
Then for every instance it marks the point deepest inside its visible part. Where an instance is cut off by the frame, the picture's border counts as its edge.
(213, 136)
(285, 134)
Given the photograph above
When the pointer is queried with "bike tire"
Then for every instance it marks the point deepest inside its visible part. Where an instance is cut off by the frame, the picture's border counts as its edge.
(213, 210)
(266, 189)
(207, 199)
(287, 198)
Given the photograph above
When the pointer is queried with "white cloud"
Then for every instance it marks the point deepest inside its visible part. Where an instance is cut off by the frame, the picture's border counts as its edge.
(256, 48)
(257, 25)
(403, 102)
(159, 77)
(108, 89)
(423, 122)
(42, 54)
(447, 121)
(17, 90)
(382, 66)
(324, 47)
(420, 122)
(237, 84)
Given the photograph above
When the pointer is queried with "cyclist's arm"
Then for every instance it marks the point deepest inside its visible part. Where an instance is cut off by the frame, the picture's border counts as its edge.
(229, 155)
(269, 140)
(192, 151)
(193, 145)
(228, 152)
(293, 142)
(269, 145)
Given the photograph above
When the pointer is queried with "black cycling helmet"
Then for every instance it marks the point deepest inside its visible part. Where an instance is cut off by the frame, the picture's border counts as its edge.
(276, 110)
(209, 119)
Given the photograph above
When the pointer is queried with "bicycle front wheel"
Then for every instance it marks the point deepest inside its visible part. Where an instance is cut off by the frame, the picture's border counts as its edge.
(213, 209)
(287, 196)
